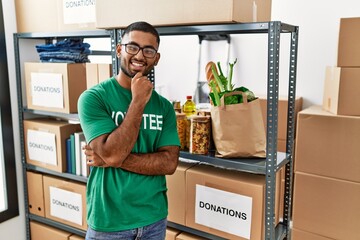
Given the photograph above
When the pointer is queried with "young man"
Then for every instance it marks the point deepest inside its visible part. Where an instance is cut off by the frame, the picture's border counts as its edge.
(132, 144)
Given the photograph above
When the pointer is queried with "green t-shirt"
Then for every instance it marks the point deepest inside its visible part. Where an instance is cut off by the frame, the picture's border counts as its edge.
(118, 199)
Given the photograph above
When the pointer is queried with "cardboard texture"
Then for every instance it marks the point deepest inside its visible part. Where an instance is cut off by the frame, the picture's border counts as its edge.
(349, 47)
(282, 115)
(96, 73)
(185, 12)
(35, 193)
(245, 184)
(73, 84)
(74, 237)
(341, 91)
(40, 231)
(326, 206)
(328, 144)
(62, 131)
(188, 236)
(171, 233)
(68, 186)
(104, 71)
(177, 193)
(31, 17)
(297, 234)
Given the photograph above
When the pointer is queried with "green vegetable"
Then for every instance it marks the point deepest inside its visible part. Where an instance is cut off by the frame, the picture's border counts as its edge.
(221, 85)
(214, 95)
(217, 79)
(231, 69)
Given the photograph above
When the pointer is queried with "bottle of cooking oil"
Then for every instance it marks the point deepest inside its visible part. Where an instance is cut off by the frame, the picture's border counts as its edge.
(189, 107)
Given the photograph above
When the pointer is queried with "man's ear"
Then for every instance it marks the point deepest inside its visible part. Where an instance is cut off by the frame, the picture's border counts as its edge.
(157, 59)
(118, 50)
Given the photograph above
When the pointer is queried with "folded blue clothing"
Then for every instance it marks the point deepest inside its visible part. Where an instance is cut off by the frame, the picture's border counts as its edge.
(66, 45)
(61, 56)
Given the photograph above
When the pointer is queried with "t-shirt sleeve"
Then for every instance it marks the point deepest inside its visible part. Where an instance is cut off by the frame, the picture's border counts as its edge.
(169, 135)
(93, 115)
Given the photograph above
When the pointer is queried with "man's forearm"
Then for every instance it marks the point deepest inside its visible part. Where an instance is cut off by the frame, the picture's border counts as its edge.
(116, 146)
(159, 163)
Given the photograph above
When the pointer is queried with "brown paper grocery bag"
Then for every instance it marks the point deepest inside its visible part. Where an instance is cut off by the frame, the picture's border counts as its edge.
(238, 129)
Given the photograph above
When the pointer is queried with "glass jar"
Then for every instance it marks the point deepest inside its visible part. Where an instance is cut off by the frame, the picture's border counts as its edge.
(200, 131)
(181, 123)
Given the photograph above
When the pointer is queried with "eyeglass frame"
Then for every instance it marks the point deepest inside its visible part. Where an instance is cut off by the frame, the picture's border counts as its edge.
(140, 48)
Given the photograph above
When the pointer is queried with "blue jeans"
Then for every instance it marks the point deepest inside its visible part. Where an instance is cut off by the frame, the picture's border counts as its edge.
(155, 231)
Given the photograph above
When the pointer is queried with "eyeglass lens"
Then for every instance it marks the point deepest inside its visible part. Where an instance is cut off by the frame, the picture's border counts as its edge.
(134, 49)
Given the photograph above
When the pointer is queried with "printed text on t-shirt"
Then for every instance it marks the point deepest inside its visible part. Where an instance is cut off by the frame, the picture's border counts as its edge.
(149, 121)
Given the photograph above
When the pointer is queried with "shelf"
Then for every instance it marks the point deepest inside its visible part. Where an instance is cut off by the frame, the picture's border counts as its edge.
(56, 224)
(194, 231)
(40, 35)
(280, 231)
(65, 116)
(232, 28)
(58, 174)
(253, 165)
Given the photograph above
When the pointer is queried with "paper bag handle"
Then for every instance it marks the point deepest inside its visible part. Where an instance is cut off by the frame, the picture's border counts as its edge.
(222, 100)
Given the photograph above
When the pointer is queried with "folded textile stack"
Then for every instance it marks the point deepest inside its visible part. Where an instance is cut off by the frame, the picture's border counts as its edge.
(72, 50)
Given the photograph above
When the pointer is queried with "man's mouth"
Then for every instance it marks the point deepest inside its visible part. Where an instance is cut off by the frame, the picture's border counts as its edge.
(137, 66)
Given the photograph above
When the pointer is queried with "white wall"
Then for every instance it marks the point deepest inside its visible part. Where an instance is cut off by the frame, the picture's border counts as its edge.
(14, 228)
(318, 23)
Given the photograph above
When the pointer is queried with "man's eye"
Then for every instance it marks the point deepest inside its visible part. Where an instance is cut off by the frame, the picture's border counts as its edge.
(132, 48)
(149, 51)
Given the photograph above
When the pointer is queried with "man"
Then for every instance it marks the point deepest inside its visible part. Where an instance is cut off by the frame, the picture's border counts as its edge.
(132, 144)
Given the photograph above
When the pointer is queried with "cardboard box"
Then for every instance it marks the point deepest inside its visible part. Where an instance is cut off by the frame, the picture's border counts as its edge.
(39, 231)
(96, 73)
(349, 48)
(282, 115)
(59, 15)
(65, 202)
(326, 206)
(226, 203)
(188, 236)
(177, 193)
(328, 144)
(180, 12)
(35, 193)
(45, 142)
(54, 87)
(171, 233)
(297, 234)
(341, 91)
(74, 237)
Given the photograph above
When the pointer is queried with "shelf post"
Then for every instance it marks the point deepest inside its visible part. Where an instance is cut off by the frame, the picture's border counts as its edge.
(290, 129)
(272, 127)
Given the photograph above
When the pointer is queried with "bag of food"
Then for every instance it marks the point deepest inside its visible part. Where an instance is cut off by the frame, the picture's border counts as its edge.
(238, 129)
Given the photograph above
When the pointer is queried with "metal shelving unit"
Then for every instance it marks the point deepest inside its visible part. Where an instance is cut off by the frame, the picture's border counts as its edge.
(267, 166)
(274, 160)
(24, 113)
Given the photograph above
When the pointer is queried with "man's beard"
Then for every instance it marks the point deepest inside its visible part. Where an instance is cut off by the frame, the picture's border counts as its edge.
(127, 73)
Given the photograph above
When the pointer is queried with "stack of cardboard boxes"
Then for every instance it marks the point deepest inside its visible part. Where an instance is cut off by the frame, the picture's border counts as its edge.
(222, 202)
(327, 167)
(52, 197)
(41, 231)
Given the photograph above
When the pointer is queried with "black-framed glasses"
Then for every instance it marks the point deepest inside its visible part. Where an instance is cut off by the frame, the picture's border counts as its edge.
(133, 49)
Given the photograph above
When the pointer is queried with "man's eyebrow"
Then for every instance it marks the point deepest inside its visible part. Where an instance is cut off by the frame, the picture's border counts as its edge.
(146, 46)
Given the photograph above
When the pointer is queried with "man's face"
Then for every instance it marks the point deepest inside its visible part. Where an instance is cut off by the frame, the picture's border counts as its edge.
(130, 63)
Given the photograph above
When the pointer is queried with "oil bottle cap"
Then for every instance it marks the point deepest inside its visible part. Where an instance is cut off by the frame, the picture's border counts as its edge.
(188, 97)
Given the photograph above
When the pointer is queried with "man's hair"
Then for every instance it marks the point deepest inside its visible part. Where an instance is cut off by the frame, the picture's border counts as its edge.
(143, 27)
